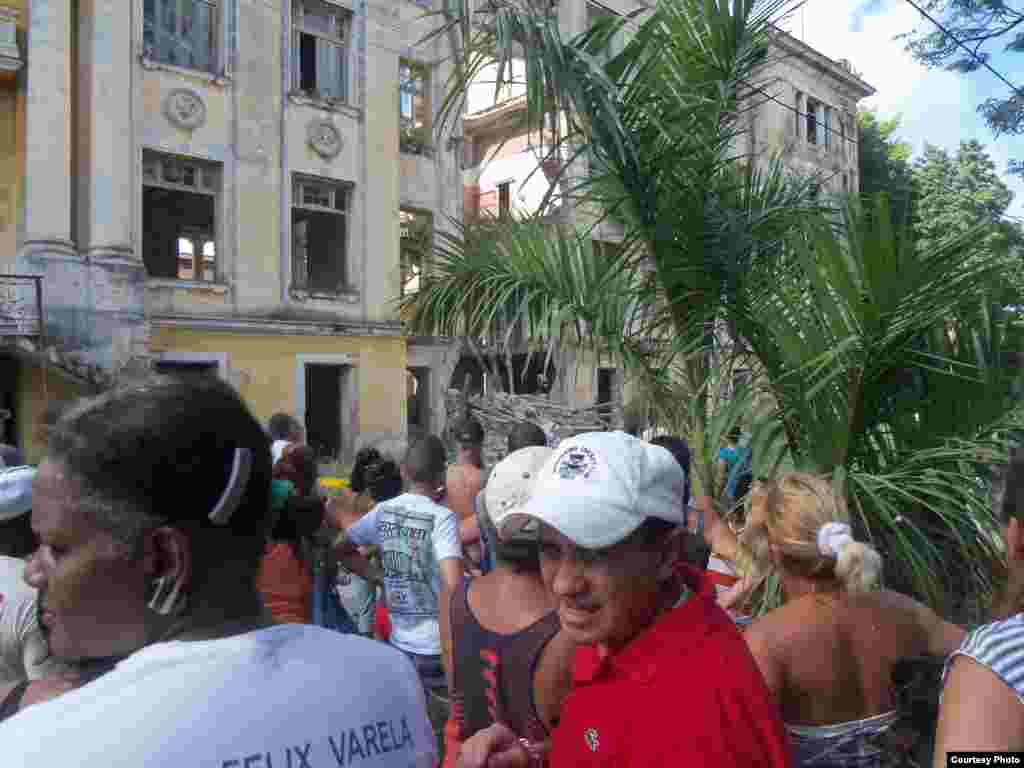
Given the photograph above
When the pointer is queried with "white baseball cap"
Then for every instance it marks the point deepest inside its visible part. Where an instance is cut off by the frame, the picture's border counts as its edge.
(599, 487)
(15, 491)
(510, 485)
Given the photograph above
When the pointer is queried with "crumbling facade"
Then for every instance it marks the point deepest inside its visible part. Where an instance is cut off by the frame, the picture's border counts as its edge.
(234, 188)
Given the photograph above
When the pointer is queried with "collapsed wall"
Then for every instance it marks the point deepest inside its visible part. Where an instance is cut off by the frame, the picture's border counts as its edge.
(499, 412)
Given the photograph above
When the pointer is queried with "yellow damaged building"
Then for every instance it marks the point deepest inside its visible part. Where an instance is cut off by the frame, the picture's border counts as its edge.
(238, 188)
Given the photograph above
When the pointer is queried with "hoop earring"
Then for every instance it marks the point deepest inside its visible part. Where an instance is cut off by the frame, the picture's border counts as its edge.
(167, 598)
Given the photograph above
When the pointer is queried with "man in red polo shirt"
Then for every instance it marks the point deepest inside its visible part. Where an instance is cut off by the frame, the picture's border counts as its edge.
(662, 676)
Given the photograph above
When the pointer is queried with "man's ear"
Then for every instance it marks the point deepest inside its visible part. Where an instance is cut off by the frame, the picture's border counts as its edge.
(169, 554)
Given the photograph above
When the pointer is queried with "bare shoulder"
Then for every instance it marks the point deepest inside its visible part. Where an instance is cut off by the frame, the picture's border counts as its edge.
(926, 631)
(785, 622)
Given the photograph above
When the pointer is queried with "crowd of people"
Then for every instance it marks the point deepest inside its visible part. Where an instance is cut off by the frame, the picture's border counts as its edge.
(176, 589)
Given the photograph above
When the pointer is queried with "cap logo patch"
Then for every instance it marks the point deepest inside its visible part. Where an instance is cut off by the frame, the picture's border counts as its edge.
(576, 462)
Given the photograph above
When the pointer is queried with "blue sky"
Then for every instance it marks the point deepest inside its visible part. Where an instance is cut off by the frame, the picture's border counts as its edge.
(938, 107)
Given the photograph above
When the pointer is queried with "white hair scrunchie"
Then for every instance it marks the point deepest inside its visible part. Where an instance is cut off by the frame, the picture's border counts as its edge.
(832, 537)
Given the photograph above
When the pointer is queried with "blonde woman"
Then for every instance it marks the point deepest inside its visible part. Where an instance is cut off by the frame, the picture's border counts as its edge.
(828, 653)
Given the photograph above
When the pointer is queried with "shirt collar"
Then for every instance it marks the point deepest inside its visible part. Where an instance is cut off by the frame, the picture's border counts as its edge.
(638, 660)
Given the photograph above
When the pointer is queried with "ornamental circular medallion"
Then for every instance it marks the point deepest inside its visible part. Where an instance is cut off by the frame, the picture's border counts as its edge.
(185, 108)
(324, 138)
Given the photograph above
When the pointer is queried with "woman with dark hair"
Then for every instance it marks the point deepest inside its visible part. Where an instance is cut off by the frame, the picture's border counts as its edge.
(286, 572)
(983, 698)
(151, 509)
(298, 466)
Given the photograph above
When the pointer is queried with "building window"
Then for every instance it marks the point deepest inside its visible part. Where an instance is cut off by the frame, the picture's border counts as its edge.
(504, 198)
(414, 107)
(179, 202)
(416, 232)
(811, 116)
(798, 115)
(819, 123)
(182, 32)
(320, 49)
(319, 236)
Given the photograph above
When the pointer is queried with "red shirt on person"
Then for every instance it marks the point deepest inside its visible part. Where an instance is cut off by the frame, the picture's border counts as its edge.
(685, 692)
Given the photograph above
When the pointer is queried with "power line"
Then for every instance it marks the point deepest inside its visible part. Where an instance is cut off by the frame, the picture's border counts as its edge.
(970, 53)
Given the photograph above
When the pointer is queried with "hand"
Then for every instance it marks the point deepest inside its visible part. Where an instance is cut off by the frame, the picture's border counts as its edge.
(494, 747)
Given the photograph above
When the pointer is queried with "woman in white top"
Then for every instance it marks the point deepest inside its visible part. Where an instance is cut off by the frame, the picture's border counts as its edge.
(983, 698)
(829, 651)
(152, 510)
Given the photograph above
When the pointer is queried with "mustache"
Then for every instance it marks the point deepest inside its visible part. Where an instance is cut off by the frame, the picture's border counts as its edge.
(581, 605)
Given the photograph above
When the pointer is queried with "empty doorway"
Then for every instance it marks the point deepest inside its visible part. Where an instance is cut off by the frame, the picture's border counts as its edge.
(418, 401)
(326, 407)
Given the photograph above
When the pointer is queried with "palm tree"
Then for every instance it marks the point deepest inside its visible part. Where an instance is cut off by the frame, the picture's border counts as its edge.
(885, 368)
(656, 126)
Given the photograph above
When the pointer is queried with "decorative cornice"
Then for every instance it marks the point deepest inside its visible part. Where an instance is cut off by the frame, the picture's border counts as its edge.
(326, 105)
(801, 50)
(267, 327)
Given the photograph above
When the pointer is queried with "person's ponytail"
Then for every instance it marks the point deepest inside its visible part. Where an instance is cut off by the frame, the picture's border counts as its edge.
(858, 568)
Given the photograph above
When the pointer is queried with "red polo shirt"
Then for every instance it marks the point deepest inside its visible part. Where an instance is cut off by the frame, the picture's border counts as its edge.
(686, 692)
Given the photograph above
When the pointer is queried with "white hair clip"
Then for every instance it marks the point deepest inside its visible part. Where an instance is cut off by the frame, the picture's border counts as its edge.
(832, 537)
(241, 467)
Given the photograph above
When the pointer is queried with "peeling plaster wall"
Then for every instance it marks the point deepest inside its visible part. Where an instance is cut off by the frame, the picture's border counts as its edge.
(94, 87)
(263, 369)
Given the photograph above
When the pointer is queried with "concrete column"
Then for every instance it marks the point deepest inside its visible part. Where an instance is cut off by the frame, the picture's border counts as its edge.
(48, 173)
(107, 162)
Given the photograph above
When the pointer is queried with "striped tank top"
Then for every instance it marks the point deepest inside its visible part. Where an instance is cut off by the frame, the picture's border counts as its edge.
(999, 646)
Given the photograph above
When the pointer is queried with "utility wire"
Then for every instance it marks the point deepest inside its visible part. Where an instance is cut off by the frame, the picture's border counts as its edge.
(967, 48)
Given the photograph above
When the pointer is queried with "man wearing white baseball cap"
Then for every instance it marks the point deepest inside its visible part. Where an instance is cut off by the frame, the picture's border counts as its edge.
(661, 676)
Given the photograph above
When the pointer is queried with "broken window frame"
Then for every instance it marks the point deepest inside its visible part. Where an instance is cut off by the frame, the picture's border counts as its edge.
(206, 176)
(341, 40)
(811, 120)
(301, 278)
(220, 15)
(413, 271)
(413, 83)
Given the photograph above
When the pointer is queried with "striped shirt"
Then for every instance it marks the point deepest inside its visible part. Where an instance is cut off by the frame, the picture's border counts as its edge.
(999, 646)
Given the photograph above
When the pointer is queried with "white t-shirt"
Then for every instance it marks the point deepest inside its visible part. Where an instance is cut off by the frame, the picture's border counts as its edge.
(23, 649)
(414, 535)
(292, 696)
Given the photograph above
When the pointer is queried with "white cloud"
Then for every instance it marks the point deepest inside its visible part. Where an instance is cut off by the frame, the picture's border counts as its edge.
(938, 107)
